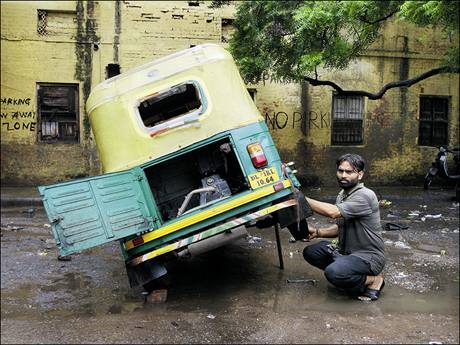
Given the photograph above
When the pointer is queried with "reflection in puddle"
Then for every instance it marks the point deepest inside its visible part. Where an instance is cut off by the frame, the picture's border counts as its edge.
(70, 281)
(72, 295)
(324, 297)
(232, 281)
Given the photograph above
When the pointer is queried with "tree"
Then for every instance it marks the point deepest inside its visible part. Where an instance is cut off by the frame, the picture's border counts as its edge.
(291, 40)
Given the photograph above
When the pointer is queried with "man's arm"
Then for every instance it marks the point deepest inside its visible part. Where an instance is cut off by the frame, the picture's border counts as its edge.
(331, 231)
(324, 208)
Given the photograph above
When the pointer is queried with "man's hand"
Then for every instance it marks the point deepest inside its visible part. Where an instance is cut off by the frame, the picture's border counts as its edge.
(313, 232)
(329, 232)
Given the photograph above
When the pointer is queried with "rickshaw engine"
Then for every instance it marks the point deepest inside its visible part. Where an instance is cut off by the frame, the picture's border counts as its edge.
(178, 183)
(223, 190)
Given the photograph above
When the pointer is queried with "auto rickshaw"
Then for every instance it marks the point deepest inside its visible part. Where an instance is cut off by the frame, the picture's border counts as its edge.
(188, 162)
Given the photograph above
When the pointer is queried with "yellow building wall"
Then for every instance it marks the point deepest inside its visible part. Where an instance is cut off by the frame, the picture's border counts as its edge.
(131, 33)
(27, 59)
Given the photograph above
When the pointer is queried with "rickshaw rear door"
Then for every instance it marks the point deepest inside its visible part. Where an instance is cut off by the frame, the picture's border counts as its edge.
(89, 212)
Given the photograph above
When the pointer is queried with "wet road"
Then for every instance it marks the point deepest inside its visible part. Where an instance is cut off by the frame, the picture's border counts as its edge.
(237, 293)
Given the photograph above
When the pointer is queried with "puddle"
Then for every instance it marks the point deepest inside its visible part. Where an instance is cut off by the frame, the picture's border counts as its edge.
(239, 277)
(72, 295)
(235, 282)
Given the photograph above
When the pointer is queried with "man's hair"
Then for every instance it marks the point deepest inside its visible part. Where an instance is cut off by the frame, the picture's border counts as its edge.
(356, 161)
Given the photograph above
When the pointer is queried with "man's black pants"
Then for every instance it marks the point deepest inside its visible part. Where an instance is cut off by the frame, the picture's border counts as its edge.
(344, 271)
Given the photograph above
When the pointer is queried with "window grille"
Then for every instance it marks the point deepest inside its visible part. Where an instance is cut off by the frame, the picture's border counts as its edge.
(347, 120)
(433, 121)
(58, 112)
(42, 22)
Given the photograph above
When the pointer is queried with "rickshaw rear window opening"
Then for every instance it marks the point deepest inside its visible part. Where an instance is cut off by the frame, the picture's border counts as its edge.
(170, 104)
(199, 178)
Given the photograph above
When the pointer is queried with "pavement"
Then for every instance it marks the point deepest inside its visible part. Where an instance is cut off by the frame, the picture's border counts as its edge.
(237, 293)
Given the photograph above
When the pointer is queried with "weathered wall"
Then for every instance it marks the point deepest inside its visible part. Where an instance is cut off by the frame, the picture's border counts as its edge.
(28, 58)
(90, 35)
(154, 29)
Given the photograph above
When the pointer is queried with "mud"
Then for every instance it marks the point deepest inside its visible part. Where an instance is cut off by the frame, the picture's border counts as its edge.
(237, 293)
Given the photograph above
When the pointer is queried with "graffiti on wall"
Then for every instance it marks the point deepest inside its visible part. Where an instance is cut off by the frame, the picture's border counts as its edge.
(18, 119)
(282, 120)
(14, 101)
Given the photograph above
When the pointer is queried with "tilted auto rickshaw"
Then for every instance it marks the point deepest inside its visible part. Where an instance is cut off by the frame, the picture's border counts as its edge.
(187, 161)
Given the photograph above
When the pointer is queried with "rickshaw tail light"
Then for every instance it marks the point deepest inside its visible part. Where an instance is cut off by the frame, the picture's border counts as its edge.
(257, 155)
(138, 241)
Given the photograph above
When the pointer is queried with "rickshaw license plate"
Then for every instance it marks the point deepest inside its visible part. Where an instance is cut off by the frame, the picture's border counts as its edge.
(263, 178)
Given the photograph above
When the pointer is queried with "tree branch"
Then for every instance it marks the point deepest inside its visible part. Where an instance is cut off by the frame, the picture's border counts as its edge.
(385, 88)
(364, 20)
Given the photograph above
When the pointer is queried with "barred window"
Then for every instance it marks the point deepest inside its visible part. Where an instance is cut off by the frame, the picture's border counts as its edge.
(433, 121)
(42, 22)
(347, 120)
(57, 107)
(57, 24)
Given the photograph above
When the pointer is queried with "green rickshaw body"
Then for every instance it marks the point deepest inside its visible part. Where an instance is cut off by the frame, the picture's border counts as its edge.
(187, 162)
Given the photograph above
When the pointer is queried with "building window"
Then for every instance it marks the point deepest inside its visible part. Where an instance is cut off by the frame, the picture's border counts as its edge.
(112, 69)
(227, 29)
(41, 22)
(347, 120)
(252, 93)
(57, 106)
(57, 24)
(433, 121)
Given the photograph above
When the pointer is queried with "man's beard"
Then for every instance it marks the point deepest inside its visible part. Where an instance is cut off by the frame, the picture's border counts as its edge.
(347, 184)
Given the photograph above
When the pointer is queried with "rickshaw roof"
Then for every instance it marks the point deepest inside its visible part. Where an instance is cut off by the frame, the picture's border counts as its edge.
(155, 71)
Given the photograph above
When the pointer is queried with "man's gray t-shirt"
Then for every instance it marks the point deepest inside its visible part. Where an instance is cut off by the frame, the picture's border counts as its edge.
(358, 230)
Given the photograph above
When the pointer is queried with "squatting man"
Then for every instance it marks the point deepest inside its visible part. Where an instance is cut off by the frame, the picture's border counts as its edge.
(357, 260)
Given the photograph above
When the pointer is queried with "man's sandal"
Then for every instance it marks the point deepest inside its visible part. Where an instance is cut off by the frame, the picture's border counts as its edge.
(371, 294)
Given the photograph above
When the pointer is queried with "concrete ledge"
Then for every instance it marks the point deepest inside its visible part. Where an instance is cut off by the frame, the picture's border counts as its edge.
(20, 196)
(20, 201)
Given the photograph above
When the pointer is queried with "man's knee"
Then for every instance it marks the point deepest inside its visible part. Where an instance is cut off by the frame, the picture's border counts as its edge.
(339, 276)
(309, 254)
(333, 274)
